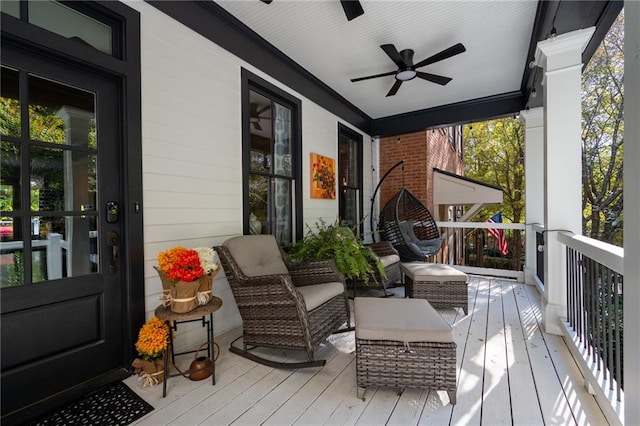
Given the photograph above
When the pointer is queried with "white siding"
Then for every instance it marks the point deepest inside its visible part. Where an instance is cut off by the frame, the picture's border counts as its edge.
(192, 140)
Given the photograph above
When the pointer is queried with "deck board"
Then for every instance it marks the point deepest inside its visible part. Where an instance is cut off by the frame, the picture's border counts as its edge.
(525, 407)
(469, 406)
(555, 409)
(509, 372)
(583, 405)
(495, 383)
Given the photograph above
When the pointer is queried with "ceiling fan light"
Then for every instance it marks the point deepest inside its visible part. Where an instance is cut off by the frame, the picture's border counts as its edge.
(405, 75)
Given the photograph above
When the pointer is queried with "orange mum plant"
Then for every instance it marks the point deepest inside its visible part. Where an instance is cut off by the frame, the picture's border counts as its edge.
(182, 264)
(152, 339)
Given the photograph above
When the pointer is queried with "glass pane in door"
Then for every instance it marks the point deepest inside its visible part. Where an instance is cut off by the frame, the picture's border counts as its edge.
(9, 103)
(65, 246)
(62, 179)
(61, 114)
(11, 249)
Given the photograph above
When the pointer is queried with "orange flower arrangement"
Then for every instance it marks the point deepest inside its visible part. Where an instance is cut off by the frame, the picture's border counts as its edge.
(181, 264)
(152, 339)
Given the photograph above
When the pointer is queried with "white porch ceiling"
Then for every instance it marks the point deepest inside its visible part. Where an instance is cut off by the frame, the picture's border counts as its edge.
(316, 35)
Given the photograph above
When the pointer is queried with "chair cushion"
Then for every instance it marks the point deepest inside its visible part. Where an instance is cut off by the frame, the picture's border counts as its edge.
(433, 244)
(315, 295)
(420, 271)
(422, 251)
(406, 228)
(389, 260)
(399, 320)
(418, 247)
(257, 255)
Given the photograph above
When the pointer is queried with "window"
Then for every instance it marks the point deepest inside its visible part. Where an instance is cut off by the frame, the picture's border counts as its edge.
(72, 20)
(350, 176)
(272, 167)
(454, 134)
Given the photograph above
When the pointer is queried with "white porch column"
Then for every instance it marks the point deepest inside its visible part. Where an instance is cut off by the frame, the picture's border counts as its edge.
(561, 60)
(533, 120)
(631, 211)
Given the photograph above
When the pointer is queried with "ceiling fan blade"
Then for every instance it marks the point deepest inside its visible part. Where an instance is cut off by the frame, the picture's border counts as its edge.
(261, 110)
(446, 53)
(394, 88)
(352, 8)
(353, 80)
(266, 1)
(392, 52)
(257, 126)
(433, 78)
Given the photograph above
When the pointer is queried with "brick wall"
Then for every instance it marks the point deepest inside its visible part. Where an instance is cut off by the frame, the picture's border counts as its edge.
(422, 152)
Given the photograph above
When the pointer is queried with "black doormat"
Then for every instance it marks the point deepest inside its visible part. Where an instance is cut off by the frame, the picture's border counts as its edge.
(114, 404)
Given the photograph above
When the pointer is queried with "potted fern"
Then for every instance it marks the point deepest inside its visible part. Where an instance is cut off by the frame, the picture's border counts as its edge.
(338, 242)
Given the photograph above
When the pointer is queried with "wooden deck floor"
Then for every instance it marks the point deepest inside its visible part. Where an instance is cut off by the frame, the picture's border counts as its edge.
(509, 372)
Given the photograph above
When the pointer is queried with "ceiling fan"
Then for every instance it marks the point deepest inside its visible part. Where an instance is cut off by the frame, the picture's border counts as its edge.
(254, 114)
(407, 69)
(352, 8)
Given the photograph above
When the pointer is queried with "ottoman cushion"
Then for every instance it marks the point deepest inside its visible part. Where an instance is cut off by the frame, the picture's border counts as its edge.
(400, 320)
(421, 271)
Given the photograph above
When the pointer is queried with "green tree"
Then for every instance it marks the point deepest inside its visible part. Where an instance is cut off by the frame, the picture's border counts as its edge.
(602, 139)
(494, 153)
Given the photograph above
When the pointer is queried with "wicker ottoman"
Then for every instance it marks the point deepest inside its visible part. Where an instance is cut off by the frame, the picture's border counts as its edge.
(442, 285)
(403, 343)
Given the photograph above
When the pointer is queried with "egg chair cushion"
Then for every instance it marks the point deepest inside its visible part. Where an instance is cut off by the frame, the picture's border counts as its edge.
(419, 247)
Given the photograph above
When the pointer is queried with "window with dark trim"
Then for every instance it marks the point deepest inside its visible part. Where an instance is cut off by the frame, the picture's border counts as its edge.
(350, 176)
(271, 163)
(87, 24)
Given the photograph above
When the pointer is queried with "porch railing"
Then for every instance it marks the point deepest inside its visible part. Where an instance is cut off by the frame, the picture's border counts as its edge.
(594, 326)
(469, 247)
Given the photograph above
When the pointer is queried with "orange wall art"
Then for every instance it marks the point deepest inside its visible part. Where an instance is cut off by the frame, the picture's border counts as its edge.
(323, 177)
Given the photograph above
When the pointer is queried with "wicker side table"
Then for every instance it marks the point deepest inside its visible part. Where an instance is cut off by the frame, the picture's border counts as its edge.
(203, 314)
(403, 343)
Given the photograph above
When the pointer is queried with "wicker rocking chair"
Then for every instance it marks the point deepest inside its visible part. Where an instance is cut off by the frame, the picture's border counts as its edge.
(410, 227)
(282, 304)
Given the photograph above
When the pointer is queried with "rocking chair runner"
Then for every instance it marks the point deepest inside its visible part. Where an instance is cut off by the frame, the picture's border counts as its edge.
(282, 304)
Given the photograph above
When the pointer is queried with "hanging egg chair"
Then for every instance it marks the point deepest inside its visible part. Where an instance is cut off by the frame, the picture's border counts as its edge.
(407, 223)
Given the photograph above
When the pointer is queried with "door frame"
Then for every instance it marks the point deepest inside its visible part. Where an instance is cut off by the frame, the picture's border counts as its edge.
(126, 69)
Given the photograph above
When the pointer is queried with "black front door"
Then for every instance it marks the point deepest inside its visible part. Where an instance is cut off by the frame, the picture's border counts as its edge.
(61, 200)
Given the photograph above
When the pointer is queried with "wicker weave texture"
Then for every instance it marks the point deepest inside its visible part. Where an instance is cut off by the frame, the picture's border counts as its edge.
(446, 294)
(393, 274)
(273, 310)
(428, 365)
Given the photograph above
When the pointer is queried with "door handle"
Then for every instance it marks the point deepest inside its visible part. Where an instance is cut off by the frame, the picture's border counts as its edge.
(113, 241)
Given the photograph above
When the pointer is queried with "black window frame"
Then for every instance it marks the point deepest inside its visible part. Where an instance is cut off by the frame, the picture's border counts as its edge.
(346, 132)
(94, 10)
(251, 82)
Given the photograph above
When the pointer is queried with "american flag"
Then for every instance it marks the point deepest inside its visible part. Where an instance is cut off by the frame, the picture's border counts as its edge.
(498, 234)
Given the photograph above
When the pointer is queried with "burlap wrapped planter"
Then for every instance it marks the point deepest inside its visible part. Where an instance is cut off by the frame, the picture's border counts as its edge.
(182, 296)
(151, 371)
